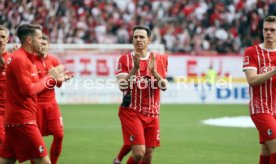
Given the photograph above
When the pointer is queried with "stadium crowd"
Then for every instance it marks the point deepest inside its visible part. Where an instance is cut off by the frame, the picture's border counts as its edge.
(192, 26)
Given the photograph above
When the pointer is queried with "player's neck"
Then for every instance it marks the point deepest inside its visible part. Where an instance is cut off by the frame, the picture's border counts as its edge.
(28, 49)
(270, 45)
(143, 53)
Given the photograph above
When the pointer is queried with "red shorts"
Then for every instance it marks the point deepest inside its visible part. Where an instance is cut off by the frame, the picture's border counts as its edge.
(139, 129)
(266, 125)
(2, 129)
(49, 118)
(23, 143)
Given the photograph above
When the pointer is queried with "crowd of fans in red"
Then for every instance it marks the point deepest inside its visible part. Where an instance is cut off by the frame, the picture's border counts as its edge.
(190, 26)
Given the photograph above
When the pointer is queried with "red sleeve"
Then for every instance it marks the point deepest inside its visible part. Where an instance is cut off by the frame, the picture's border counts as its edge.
(162, 65)
(55, 61)
(23, 71)
(249, 59)
(122, 67)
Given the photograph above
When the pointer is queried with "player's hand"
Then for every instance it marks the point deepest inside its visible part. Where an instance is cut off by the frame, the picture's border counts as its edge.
(57, 72)
(136, 59)
(152, 63)
(126, 100)
(65, 77)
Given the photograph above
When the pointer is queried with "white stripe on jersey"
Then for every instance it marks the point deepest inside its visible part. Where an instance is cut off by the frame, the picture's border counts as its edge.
(270, 79)
(140, 99)
(128, 64)
(262, 107)
(149, 99)
(266, 98)
(251, 101)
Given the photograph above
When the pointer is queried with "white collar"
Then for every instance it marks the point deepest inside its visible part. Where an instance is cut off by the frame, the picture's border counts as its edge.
(144, 58)
(269, 50)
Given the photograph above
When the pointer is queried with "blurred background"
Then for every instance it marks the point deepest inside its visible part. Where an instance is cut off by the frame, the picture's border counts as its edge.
(204, 40)
(183, 26)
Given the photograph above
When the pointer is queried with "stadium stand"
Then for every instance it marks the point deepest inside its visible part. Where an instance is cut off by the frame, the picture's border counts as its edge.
(214, 26)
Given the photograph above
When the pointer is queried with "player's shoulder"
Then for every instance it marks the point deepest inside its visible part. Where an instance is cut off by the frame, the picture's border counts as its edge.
(19, 54)
(125, 56)
(250, 50)
(17, 58)
(52, 57)
(161, 57)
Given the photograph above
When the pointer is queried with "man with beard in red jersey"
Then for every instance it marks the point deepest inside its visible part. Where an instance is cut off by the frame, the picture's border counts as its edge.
(23, 140)
(49, 117)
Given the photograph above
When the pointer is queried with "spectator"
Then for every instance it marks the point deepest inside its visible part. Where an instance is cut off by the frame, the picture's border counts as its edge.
(180, 25)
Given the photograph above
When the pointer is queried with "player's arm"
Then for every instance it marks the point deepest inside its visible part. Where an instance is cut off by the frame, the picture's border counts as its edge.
(256, 79)
(162, 83)
(27, 87)
(124, 78)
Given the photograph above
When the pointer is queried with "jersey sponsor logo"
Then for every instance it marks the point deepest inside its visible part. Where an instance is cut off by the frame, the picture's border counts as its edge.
(246, 60)
(265, 69)
(9, 60)
(131, 138)
(41, 149)
(269, 132)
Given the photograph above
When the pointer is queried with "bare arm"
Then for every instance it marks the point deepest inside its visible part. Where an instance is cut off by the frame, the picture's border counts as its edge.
(256, 79)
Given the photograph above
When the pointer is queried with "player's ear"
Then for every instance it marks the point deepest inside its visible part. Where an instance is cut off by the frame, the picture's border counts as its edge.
(29, 39)
(149, 39)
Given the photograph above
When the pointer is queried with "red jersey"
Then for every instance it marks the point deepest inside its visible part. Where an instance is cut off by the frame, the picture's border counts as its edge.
(23, 85)
(43, 65)
(263, 96)
(6, 57)
(145, 95)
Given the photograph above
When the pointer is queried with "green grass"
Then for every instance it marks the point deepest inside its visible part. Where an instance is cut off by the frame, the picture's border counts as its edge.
(93, 136)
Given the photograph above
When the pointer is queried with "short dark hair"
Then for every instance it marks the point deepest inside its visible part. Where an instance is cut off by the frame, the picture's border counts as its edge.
(25, 30)
(270, 18)
(140, 27)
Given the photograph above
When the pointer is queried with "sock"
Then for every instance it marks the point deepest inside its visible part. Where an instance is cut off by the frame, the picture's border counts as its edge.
(123, 152)
(131, 160)
(272, 159)
(56, 147)
(264, 159)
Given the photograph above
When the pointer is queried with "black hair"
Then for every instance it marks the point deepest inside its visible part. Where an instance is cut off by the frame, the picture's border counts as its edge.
(25, 30)
(140, 27)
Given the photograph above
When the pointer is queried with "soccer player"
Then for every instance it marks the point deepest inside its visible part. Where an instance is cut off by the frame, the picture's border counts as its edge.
(49, 117)
(125, 149)
(260, 69)
(23, 140)
(142, 74)
(4, 57)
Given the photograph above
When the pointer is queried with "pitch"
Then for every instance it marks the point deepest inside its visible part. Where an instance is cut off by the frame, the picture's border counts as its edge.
(93, 135)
